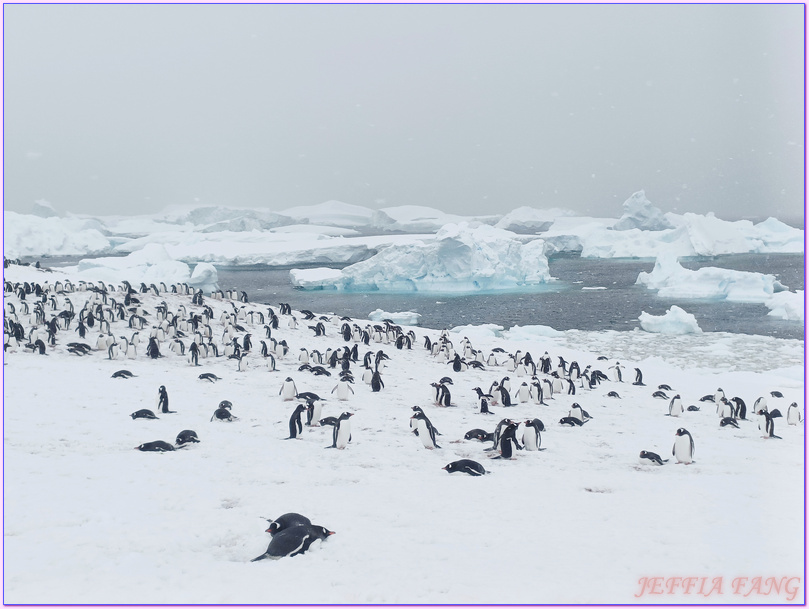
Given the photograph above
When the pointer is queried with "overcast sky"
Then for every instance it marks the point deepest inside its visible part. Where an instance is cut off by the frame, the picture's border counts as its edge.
(471, 109)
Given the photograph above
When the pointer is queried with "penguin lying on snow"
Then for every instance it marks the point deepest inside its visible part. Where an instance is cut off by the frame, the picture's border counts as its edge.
(285, 521)
(650, 458)
(728, 422)
(122, 374)
(143, 413)
(293, 541)
(186, 436)
(478, 434)
(466, 466)
(209, 376)
(158, 446)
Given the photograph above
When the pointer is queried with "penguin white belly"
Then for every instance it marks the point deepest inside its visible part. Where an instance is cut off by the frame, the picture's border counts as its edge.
(367, 376)
(676, 408)
(523, 394)
(317, 408)
(424, 433)
(556, 385)
(793, 416)
(529, 439)
(343, 390)
(682, 449)
(288, 392)
(343, 434)
(725, 410)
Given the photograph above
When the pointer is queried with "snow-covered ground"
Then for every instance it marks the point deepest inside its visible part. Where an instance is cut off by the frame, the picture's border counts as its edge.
(87, 519)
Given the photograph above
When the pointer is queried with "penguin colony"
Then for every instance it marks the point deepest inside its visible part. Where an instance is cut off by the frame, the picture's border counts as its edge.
(137, 326)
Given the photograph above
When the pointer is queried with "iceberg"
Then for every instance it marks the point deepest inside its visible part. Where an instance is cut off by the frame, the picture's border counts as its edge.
(461, 258)
(640, 213)
(152, 264)
(314, 279)
(788, 305)
(529, 220)
(333, 213)
(671, 280)
(29, 235)
(675, 321)
(406, 318)
(421, 219)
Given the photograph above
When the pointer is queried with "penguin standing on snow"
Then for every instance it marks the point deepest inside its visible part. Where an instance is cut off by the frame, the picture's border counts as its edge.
(794, 414)
(426, 433)
(163, 400)
(343, 389)
(683, 449)
(288, 390)
(531, 438)
(295, 425)
(376, 381)
(639, 381)
(676, 406)
(341, 435)
(508, 440)
(766, 420)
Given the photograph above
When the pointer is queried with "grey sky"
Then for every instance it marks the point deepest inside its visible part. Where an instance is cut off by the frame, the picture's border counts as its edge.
(470, 109)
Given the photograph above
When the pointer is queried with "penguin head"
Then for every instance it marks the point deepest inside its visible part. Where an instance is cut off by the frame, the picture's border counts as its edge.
(683, 432)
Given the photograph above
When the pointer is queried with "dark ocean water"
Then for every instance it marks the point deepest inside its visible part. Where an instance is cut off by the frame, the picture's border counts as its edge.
(563, 305)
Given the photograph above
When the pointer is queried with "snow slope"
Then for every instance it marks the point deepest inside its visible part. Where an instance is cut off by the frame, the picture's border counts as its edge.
(87, 519)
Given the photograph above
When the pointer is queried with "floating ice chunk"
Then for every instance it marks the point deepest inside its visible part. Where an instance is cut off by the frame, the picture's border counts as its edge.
(788, 305)
(478, 331)
(315, 279)
(671, 280)
(675, 321)
(407, 318)
(204, 277)
(531, 332)
(640, 213)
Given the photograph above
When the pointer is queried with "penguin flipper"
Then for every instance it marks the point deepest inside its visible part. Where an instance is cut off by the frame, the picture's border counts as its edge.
(262, 557)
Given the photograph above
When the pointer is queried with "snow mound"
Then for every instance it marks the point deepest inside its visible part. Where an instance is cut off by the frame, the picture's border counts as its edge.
(204, 277)
(152, 264)
(531, 220)
(407, 318)
(333, 213)
(640, 213)
(421, 219)
(27, 235)
(675, 321)
(671, 280)
(461, 258)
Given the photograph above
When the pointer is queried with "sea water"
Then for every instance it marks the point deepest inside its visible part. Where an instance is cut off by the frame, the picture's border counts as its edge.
(588, 294)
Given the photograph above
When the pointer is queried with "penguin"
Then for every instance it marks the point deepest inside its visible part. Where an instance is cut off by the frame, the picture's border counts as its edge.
(293, 541)
(570, 422)
(295, 425)
(618, 376)
(523, 393)
(342, 431)
(508, 440)
(728, 421)
(693, 408)
(376, 381)
(794, 415)
(613, 394)
(163, 401)
(660, 395)
(143, 414)
(650, 458)
(531, 438)
(639, 380)
(683, 449)
(769, 423)
(577, 412)
(466, 466)
(313, 408)
(223, 414)
(676, 406)
(498, 431)
(186, 436)
(740, 408)
(122, 374)
(664, 387)
(484, 406)
(209, 376)
(343, 388)
(288, 390)
(478, 434)
(776, 394)
(724, 408)
(426, 433)
(285, 521)
(158, 446)
(707, 398)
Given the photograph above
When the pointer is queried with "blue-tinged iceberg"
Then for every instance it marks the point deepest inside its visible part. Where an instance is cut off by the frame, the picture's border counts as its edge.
(462, 257)
(674, 321)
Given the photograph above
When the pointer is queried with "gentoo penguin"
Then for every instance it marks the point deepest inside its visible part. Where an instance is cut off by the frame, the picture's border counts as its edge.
(313, 408)
(650, 458)
(288, 390)
(740, 408)
(683, 449)
(617, 376)
(163, 400)
(342, 431)
(295, 425)
(466, 466)
(776, 394)
(343, 389)
(293, 541)
(158, 446)
(728, 421)
(122, 374)
(718, 395)
(531, 438)
(426, 433)
(143, 414)
(498, 431)
(766, 420)
(478, 434)
(613, 394)
(523, 393)
(724, 408)
(223, 414)
(209, 376)
(676, 406)
(664, 387)
(508, 441)
(577, 412)
(661, 395)
(186, 436)
(285, 521)
(484, 406)
(570, 422)
(794, 415)
(693, 408)
(760, 404)
(376, 381)
(639, 381)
